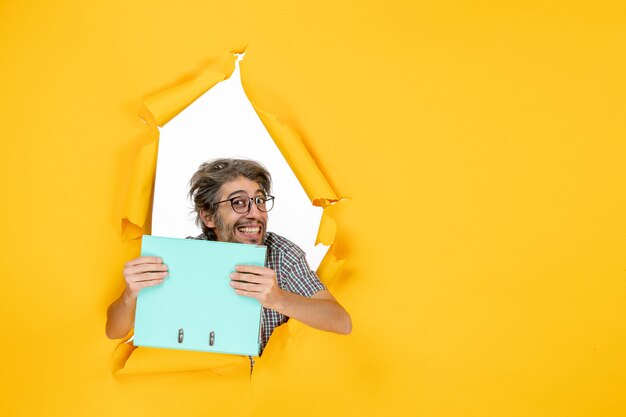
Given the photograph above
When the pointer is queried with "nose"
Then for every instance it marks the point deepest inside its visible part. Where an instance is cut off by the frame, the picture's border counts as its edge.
(251, 207)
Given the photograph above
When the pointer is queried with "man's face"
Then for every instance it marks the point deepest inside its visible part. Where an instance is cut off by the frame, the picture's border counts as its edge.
(231, 226)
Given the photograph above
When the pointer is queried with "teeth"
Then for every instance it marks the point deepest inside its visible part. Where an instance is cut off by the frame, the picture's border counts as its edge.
(249, 229)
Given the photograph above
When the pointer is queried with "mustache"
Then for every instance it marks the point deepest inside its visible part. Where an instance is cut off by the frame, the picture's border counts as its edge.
(250, 223)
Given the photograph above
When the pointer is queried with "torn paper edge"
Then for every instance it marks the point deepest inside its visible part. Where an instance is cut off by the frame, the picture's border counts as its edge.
(160, 108)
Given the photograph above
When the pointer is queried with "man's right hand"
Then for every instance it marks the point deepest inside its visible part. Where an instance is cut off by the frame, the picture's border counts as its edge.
(142, 272)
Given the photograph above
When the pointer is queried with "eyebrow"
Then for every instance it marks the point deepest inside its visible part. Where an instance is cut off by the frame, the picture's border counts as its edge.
(231, 195)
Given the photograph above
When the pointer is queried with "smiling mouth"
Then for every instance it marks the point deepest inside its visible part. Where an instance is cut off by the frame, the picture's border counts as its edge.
(247, 230)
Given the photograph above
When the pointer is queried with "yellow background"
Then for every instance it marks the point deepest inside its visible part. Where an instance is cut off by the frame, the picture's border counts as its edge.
(483, 149)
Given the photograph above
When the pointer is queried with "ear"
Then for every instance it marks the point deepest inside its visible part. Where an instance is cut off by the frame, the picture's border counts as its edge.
(207, 219)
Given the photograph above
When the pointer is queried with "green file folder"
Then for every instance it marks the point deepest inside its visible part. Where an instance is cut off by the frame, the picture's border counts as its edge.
(196, 308)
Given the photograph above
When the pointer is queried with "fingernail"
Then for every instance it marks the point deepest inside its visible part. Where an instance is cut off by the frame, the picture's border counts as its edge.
(232, 275)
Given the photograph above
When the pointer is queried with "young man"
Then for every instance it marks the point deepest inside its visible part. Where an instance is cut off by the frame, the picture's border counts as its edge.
(231, 199)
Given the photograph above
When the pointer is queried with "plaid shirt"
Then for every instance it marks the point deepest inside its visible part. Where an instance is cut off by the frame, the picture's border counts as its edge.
(293, 274)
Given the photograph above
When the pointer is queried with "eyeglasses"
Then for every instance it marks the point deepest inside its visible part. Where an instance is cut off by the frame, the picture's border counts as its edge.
(242, 205)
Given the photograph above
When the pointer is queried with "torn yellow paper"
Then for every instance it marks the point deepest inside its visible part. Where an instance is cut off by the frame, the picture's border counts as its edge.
(120, 356)
(146, 360)
(334, 229)
(329, 234)
(299, 159)
(500, 124)
(327, 231)
(135, 220)
(331, 267)
(166, 104)
(162, 107)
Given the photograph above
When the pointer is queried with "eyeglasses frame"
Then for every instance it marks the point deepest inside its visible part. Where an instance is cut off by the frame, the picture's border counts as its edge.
(251, 199)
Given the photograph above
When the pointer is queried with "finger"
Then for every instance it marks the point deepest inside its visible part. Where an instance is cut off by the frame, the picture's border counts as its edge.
(139, 269)
(144, 260)
(253, 269)
(246, 287)
(148, 276)
(257, 279)
(248, 294)
(146, 284)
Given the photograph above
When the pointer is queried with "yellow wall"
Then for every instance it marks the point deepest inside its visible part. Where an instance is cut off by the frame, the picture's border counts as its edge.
(482, 145)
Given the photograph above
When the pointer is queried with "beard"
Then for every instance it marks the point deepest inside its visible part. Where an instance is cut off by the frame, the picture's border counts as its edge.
(227, 232)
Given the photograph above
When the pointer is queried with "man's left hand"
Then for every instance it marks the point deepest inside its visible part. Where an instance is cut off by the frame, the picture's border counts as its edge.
(257, 282)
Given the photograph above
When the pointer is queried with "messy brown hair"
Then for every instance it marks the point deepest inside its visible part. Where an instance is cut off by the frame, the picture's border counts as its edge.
(205, 184)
